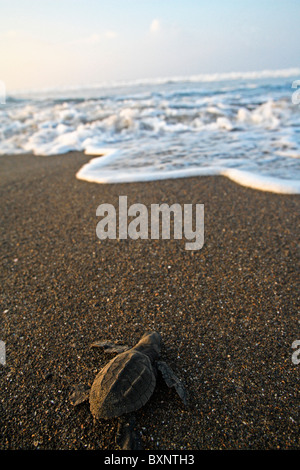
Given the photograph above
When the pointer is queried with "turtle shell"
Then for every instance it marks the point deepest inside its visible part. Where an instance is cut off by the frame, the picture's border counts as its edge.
(124, 385)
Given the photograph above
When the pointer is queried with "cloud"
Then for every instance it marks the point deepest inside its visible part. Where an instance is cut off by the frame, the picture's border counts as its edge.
(11, 34)
(110, 34)
(155, 26)
(95, 38)
(92, 39)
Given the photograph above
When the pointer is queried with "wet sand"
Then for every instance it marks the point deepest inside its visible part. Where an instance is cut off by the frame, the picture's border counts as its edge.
(228, 313)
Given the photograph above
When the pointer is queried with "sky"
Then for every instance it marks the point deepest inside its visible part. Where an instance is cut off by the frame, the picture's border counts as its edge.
(66, 43)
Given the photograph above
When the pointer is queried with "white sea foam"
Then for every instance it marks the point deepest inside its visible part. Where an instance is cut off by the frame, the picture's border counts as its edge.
(94, 171)
(263, 183)
(240, 125)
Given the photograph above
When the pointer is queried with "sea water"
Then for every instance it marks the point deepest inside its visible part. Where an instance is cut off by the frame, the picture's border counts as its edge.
(245, 126)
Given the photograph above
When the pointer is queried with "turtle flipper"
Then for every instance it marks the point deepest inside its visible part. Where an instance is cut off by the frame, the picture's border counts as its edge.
(127, 437)
(109, 347)
(80, 394)
(172, 380)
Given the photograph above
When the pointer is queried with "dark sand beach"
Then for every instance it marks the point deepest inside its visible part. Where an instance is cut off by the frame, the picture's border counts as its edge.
(228, 313)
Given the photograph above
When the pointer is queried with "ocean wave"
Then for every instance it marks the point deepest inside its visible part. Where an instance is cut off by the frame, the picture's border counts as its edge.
(188, 126)
(98, 170)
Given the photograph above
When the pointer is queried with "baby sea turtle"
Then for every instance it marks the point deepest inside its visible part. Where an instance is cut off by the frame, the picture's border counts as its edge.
(126, 383)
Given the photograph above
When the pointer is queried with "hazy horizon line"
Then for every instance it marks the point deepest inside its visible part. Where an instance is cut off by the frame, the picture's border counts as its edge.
(201, 77)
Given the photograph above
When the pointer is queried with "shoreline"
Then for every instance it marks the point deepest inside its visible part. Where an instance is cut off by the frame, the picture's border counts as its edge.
(227, 313)
(90, 172)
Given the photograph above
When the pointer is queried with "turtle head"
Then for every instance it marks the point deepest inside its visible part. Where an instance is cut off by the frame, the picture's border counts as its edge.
(152, 337)
(150, 344)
